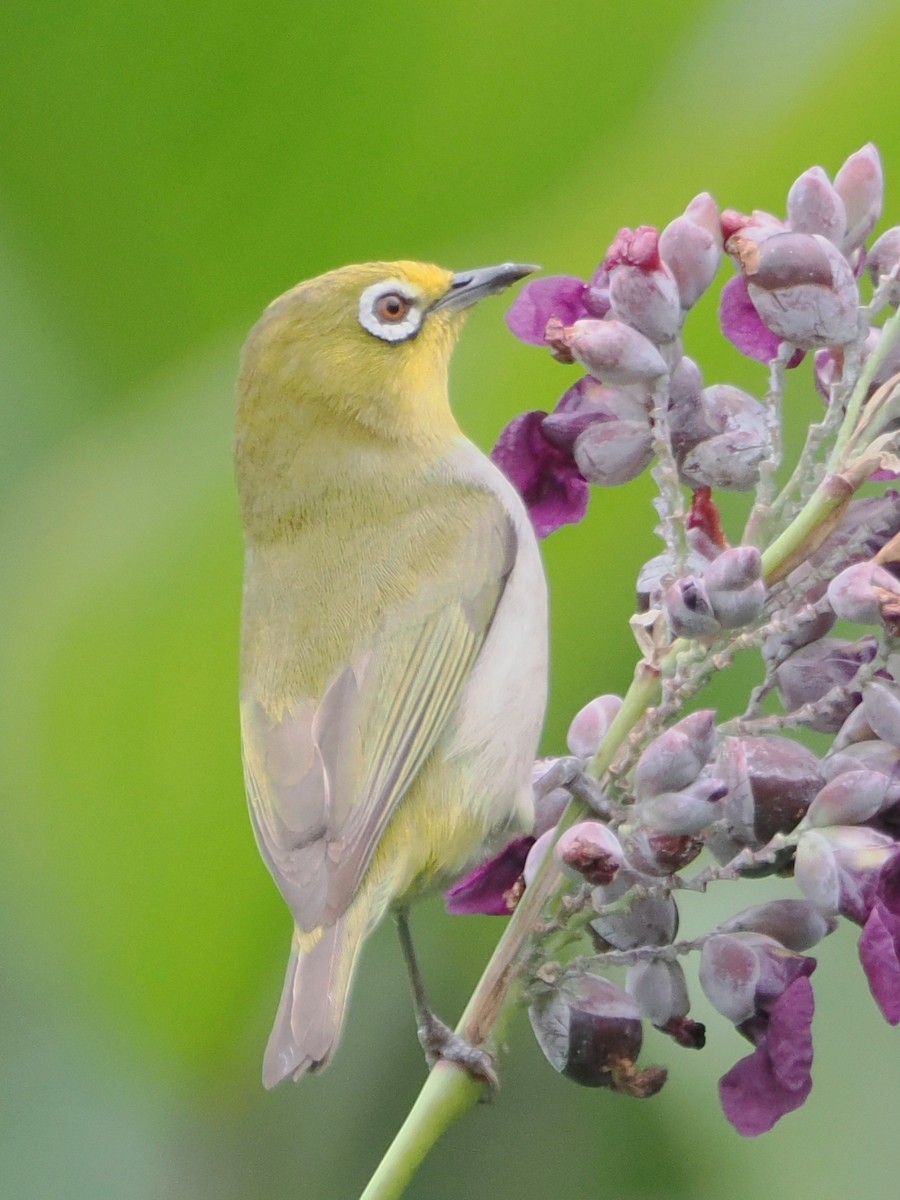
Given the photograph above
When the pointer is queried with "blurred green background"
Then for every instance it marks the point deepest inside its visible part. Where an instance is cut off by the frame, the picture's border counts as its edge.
(165, 170)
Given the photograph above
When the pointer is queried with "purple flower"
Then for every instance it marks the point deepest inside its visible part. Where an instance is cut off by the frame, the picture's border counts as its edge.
(744, 328)
(879, 943)
(490, 887)
(560, 296)
(554, 490)
(775, 1079)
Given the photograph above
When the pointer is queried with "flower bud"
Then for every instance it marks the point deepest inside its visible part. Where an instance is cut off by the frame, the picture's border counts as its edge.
(701, 551)
(652, 852)
(642, 920)
(590, 724)
(881, 705)
(740, 973)
(614, 452)
(596, 293)
(590, 1031)
(803, 289)
(676, 757)
(537, 854)
(837, 868)
(614, 352)
(860, 184)
(659, 989)
(856, 728)
(586, 401)
(884, 259)
(871, 755)
(721, 409)
(685, 385)
(590, 851)
(688, 609)
(796, 924)
(811, 673)
(691, 247)
(860, 590)
(642, 290)
(734, 586)
(771, 783)
(814, 206)
(684, 812)
(550, 801)
(849, 799)
(729, 461)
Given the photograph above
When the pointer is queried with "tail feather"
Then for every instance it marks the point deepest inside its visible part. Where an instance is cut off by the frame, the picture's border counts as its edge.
(311, 1012)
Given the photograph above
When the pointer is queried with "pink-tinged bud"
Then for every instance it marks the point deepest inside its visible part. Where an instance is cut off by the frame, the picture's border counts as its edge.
(849, 799)
(652, 852)
(860, 184)
(659, 989)
(871, 755)
(837, 868)
(659, 569)
(829, 665)
(814, 206)
(882, 708)
(590, 724)
(691, 247)
(884, 260)
(855, 729)
(865, 527)
(537, 854)
(742, 974)
(685, 384)
(729, 461)
(719, 409)
(549, 802)
(590, 851)
(796, 924)
(676, 757)
(590, 1031)
(771, 783)
(688, 609)
(640, 920)
(642, 290)
(803, 289)
(589, 401)
(684, 812)
(596, 293)
(614, 352)
(859, 592)
(734, 586)
(613, 452)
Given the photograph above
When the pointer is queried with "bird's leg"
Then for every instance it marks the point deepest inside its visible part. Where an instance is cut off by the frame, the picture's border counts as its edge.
(438, 1040)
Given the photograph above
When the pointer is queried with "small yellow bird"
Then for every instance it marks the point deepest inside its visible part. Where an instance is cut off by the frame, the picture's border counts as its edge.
(394, 626)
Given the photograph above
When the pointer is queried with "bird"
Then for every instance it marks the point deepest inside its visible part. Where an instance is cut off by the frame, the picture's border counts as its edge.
(393, 649)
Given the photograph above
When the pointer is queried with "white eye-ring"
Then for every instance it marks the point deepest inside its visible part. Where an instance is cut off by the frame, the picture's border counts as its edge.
(389, 310)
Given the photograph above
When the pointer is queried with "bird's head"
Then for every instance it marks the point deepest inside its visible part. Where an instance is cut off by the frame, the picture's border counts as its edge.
(367, 344)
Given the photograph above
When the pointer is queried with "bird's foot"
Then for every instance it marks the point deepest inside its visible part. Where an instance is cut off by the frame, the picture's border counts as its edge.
(440, 1042)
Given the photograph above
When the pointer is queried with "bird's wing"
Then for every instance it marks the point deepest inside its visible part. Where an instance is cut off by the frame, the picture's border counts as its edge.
(323, 780)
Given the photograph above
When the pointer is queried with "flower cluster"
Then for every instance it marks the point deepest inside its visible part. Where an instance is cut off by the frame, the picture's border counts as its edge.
(651, 802)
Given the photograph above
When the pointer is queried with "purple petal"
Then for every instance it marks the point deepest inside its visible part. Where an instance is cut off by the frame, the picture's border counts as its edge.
(557, 296)
(484, 889)
(879, 943)
(775, 1079)
(743, 327)
(554, 490)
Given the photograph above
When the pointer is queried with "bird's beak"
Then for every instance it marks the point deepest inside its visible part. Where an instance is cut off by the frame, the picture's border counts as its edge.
(466, 287)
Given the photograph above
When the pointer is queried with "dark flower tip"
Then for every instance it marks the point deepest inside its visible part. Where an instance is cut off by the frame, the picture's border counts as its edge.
(554, 490)
(687, 1033)
(491, 887)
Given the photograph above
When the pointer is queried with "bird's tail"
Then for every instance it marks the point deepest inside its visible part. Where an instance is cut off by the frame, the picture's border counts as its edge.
(309, 1019)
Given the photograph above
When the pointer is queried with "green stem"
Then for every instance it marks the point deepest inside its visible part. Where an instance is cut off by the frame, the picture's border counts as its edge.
(888, 338)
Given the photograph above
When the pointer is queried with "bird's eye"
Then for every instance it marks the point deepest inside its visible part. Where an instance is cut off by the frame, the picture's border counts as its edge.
(389, 311)
(392, 307)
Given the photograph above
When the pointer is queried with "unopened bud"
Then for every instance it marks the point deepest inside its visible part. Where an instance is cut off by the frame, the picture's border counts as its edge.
(590, 724)
(814, 206)
(614, 352)
(734, 586)
(860, 184)
(796, 924)
(729, 461)
(688, 609)
(803, 289)
(537, 854)
(849, 799)
(591, 1032)
(642, 290)
(859, 591)
(837, 868)
(771, 783)
(610, 453)
(586, 401)
(742, 974)
(590, 851)
(827, 666)
(659, 989)
(638, 919)
(684, 812)
(884, 260)
(882, 708)
(691, 247)
(653, 852)
(676, 757)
